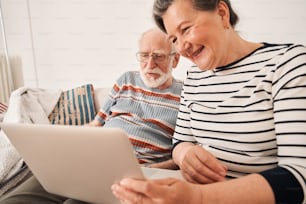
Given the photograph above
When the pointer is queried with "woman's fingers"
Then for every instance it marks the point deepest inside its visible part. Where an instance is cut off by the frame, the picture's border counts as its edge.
(200, 174)
(162, 191)
(199, 166)
(196, 180)
(127, 196)
(139, 191)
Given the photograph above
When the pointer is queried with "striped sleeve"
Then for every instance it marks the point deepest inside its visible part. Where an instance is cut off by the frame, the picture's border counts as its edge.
(104, 111)
(289, 96)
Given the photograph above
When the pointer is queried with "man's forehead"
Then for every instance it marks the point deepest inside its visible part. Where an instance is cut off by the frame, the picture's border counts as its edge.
(155, 45)
(154, 51)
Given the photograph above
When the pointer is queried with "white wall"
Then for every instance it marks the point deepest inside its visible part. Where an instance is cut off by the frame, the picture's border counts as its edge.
(65, 43)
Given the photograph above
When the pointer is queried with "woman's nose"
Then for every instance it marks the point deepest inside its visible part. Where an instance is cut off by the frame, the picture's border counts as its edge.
(182, 47)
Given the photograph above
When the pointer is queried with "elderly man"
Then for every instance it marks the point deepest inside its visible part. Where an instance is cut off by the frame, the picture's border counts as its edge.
(144, 103)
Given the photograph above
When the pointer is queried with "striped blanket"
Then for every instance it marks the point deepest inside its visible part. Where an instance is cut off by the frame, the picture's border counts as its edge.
(43, 106)
(26, 105)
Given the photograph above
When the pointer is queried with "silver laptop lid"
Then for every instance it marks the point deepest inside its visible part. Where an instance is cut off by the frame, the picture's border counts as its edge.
(80, 162)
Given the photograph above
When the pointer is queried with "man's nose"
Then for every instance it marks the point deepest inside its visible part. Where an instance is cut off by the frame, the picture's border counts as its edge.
(151, 62)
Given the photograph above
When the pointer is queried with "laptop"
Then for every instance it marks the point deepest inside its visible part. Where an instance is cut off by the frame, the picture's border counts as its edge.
(80, 162)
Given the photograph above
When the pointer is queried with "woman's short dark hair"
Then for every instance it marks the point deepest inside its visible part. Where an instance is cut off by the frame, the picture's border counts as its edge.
(161, 6)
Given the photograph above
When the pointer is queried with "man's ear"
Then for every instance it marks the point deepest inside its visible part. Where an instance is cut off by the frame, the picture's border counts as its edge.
(175, 61)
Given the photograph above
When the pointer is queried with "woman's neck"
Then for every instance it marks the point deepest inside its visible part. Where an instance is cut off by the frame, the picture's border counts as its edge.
(239, 48)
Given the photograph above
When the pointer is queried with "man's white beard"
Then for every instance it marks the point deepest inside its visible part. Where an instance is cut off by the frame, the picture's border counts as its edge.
(155, 83)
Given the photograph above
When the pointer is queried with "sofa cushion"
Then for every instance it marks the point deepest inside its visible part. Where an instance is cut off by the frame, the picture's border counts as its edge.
(75, 106)
(3, 108)
(101, 95)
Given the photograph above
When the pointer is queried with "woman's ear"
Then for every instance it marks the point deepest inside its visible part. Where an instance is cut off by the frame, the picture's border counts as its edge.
(223, 11)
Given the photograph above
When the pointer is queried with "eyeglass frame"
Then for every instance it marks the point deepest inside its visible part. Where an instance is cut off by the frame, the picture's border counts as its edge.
(153, 56)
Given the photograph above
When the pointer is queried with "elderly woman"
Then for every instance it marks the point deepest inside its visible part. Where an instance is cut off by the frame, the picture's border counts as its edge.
(242, 121)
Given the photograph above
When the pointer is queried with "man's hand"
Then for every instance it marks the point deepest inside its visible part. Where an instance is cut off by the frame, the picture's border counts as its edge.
(169, 164)
(93, 123)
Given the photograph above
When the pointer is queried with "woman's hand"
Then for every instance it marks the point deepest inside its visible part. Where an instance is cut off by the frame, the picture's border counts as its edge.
(162, 191)
(198, 165)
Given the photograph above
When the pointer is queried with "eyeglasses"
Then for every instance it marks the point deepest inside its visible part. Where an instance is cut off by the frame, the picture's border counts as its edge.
(157, 57)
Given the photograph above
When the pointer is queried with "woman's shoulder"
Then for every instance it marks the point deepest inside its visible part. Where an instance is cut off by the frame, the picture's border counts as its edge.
(283, 47)
(279, 53)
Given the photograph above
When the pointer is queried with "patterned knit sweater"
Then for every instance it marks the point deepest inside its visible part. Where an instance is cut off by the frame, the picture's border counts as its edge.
(148, 115)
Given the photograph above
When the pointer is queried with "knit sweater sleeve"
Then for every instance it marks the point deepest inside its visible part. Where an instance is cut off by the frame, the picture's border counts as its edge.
(105, 110)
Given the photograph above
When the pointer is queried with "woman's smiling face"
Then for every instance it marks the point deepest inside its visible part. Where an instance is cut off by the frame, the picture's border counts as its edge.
(198, 35)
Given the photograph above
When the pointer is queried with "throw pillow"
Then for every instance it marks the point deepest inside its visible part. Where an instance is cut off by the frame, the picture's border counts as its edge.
(3, 107)
(74, 107)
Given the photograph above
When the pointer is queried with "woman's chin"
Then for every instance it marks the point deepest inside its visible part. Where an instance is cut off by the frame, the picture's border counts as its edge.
(205, 67)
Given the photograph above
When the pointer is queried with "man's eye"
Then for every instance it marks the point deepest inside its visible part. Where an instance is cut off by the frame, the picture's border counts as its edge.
(144, 55)
(160, 57)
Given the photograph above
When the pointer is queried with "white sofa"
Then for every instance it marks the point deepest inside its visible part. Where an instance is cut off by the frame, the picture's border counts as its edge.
(12, 173)
(99, 96)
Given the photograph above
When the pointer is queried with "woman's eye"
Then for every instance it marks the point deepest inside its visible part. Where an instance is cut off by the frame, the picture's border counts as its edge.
(185, 29)
(174, 40)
